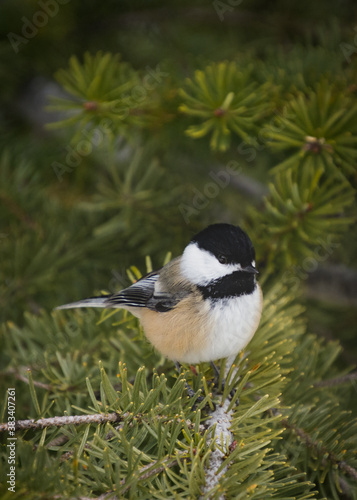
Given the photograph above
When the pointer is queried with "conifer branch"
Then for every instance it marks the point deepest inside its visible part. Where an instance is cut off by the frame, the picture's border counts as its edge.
(345, 487)
(41, 423)
(221, 419)
(108, 494)
(145, 473)
(57, 441)
(320, 449)
(336, 381)
(22, 378)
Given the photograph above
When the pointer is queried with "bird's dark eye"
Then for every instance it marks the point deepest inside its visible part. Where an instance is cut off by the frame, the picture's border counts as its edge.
(222, 259)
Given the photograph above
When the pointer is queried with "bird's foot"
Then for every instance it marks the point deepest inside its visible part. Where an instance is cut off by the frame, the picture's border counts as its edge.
(221, 385)
(191, 393)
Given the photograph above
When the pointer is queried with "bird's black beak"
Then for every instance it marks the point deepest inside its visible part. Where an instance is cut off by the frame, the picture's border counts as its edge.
(250, 269)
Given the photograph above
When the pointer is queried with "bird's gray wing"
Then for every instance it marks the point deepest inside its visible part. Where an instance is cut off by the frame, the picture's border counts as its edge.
(143, 293)
(136, 295)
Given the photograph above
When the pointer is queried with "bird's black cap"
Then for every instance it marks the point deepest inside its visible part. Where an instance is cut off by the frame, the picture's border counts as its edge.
(228, 241)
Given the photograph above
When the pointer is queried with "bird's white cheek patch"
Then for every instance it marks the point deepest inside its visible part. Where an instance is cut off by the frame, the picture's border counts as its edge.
(201, 267)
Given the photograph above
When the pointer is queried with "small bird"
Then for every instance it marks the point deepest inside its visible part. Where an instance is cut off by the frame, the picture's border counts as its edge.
(201, 306)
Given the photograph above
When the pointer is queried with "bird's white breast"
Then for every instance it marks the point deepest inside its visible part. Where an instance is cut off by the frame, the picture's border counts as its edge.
(231, 325)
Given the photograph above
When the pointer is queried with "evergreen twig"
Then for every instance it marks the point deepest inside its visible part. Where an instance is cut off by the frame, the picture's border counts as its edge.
(78, 420)
(41, 423)
(220, 420)
(145, 473)
(22, 378)
(320, 449)
(336, 381)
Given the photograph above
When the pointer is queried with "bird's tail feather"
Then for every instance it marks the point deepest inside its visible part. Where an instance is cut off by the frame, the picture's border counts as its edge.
(92, 302)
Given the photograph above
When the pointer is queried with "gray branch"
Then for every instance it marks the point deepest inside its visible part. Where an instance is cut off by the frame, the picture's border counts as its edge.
(41, 423)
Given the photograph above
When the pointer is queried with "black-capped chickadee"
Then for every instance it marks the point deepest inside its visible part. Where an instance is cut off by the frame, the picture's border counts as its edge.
(202, 306)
